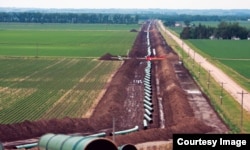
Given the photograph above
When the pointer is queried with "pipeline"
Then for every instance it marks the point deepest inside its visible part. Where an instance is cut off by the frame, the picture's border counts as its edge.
(67, 142)
(1, 146)
(148, 103)
(145, 124)
(148, 118)
(26, 146)
(136, 128)
(127, 147)
(148, 95)
(30, 145)
(148, 107)
(102, 134)
(148, 91)
(148, 112)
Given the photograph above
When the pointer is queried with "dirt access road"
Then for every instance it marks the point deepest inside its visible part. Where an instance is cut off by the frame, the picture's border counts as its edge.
(231, 86)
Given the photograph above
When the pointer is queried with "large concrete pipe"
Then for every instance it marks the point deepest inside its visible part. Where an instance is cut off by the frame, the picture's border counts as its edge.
(127, 147)
(66, 142)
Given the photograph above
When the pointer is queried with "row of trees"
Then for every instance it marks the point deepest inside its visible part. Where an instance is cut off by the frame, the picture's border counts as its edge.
(170, 20)
(224, 30)
(28, 17)
(120, 18)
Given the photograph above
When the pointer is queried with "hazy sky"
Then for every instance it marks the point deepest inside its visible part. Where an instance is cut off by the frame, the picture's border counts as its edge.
(169, 4)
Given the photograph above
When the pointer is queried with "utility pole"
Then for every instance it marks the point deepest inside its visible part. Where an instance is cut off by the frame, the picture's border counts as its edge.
(221, 92)
(208, 79)
(193, 60)
(114, 129)
(199, 70)
(182, 51)
(36, 50)
(241, 116)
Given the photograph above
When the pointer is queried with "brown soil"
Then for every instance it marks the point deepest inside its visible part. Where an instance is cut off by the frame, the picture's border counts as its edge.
(123, 102)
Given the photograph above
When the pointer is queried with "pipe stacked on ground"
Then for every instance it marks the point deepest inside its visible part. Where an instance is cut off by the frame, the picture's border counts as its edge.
(67, 142)
(148, 105)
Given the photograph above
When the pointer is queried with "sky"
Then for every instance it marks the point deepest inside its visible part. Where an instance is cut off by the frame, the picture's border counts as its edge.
(163, 4)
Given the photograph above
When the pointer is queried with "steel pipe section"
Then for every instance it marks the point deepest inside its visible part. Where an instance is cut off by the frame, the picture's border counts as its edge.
(66, 142)
(26, 146)
(148, 107)
(148, 103)
(1, 146)
(136, 128)
(127, 147)
(148, 118)
(145, 124)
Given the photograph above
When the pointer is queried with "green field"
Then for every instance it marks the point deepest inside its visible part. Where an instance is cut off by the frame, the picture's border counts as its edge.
(65, 40)
(52, 70)
(232, 53)
(178, 30)
(63, 27)
(227, 108)
(215, 23)
(33, 88)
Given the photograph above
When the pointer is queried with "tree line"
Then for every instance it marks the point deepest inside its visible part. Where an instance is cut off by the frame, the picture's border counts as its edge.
(32, 17)
(170, 20)
(225, 30)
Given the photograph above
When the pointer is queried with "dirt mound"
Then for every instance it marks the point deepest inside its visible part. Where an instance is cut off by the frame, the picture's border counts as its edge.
(133, 30)
(106, 56)
(31, 129)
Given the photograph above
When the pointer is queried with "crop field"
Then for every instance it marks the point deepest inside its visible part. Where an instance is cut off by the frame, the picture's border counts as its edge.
(63, 27)
(232, 56)
(235, 51)
(53, 71)
(65, 40)
(50, 88)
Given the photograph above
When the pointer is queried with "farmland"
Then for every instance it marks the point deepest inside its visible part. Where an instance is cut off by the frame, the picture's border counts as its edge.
(232, 55)
(65, 40)
(52, 70)
(53, 88)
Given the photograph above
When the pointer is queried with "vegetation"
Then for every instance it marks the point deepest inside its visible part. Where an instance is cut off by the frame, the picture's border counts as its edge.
(66, 84)
(34, 88)
(223, 31)
(228, 109)
(216, 23)
(65, 40)
(170, 20)
(33, 17)
(227, 54)
(67, 26)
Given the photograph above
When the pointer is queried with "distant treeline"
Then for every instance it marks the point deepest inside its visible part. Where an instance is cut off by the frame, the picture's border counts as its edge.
(172, 19)
(30, 17)
(225, 30)
(112, 18)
